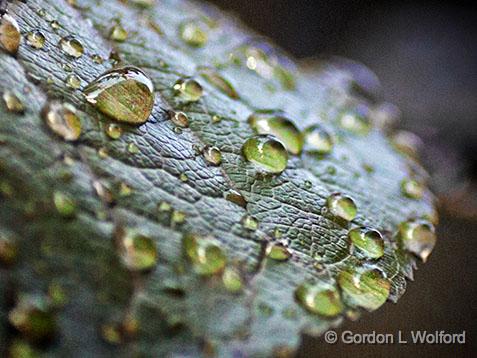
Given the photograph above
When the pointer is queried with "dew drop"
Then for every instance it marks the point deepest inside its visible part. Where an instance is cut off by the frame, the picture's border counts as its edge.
(278, 252)
(179, 119)
(178, 217)
(8, 250)
(216, 119)
(369, 242)
(97, 59)
(13, 103)
(36, 39)
(318, 140)
(322, 299)
(418, 237)
(125, 94)
(235, 197)
(366, 288)
(193, 33)
(342, 206)
(407, 143)
(219, 82)
(62, 119)
(138, 252)
(118, 33)
(356, 121)
(188, 89)
(114, 131)
(184, 177)
(103, 191)
(204, 253)
(10, 36)
(73, 81)
(232, 280)
(279, 126)
(111, 333)
(124, 190)
(164, 206)
(412, 189)
(71, 46)
(250, 223)
(64, 204)
(267, 153)
(212, 155)
(55, 25)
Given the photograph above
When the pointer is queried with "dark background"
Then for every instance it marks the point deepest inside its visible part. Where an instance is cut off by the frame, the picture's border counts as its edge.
(425, 55)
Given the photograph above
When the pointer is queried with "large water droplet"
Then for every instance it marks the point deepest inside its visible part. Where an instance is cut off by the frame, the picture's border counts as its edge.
(61, 118)
(125, 94)
(138, 252)
(412, 189)
(342, 206)
(71, 46)
(219, 82)
(36, 39)
(13, 103)
(318, 140)
(9, 34)
(418, 237)
(188, 89)
(365, 288)
(278, 252)
(323, 299)
(193, 33)
(369, 242)
(279, 126)
(212, 155)
(204, 253)
(267, 153)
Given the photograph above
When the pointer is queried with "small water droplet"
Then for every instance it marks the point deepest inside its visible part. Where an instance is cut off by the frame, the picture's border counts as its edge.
(164, 206)
(250, 223)
(204, 253)
(267, 153)
(8, 250)
(278, 252)
(362, 287)
(216, 119)
(64, 204)
(179, 119)
(213, 155)
(184, 177)
(13, 103)
(97, 59)
(318, 140)
(342, 206)
(71, 46)
(232, 280)
(103, 152)
(235, 197)
(369, 242)
(356, 121)
(62, 119)
(418, 237)
(73, 81)
(188, 89)
(42, 12)
(138, 252)
(322, 299)
(219, 82)
(118, 33)
(125, 94)
(279, 126)
(114, 131)
(10, 36)
(124, 190)
(103, 191)
(111, 333)
(178, 217)
(36, 39)
(193, 33)
(55, 25)
(412, 189)
(407, 143)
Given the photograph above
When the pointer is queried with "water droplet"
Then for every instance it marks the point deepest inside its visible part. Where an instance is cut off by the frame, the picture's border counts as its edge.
(124, 190)
(235, 197)
(61, 118)
(103, 152)
(179, 119)
(212, 155)
(57, 294)
(118, 33)
(278, 252)
(73, 81)
(232, 280)
(193, 33)
(219, 82)
(13, 103)
(279, 126)
(322, 299)
(71, 46)
(318, 140)
(412, 189)
(356, 121)
(36, 39)
(55, 25)
(250, 223)
(216, 119)
(8, 250)
(33, 318)
(407, 143)
(10, 36)
(125, 94)
(64, 204)
(369, 242)
(184, 177)
(138, 252)
(164, 206)
(342, 206)
(111, 333)
(363, 287)
(266, 152)
(418, 237)
(103, 191)
(114, 131)
(188, 89)
(97, 59)
(204, 253)
(42, 12)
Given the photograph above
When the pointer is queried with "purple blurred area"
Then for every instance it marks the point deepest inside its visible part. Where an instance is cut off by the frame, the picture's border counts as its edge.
(425, 54)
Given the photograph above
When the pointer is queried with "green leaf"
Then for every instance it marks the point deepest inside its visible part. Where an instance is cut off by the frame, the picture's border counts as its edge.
(68, 204)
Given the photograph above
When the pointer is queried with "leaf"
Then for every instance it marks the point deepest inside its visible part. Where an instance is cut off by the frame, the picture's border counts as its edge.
(153, 181)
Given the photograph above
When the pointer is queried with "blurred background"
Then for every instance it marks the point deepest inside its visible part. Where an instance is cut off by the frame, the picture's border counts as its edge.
(425, 54)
